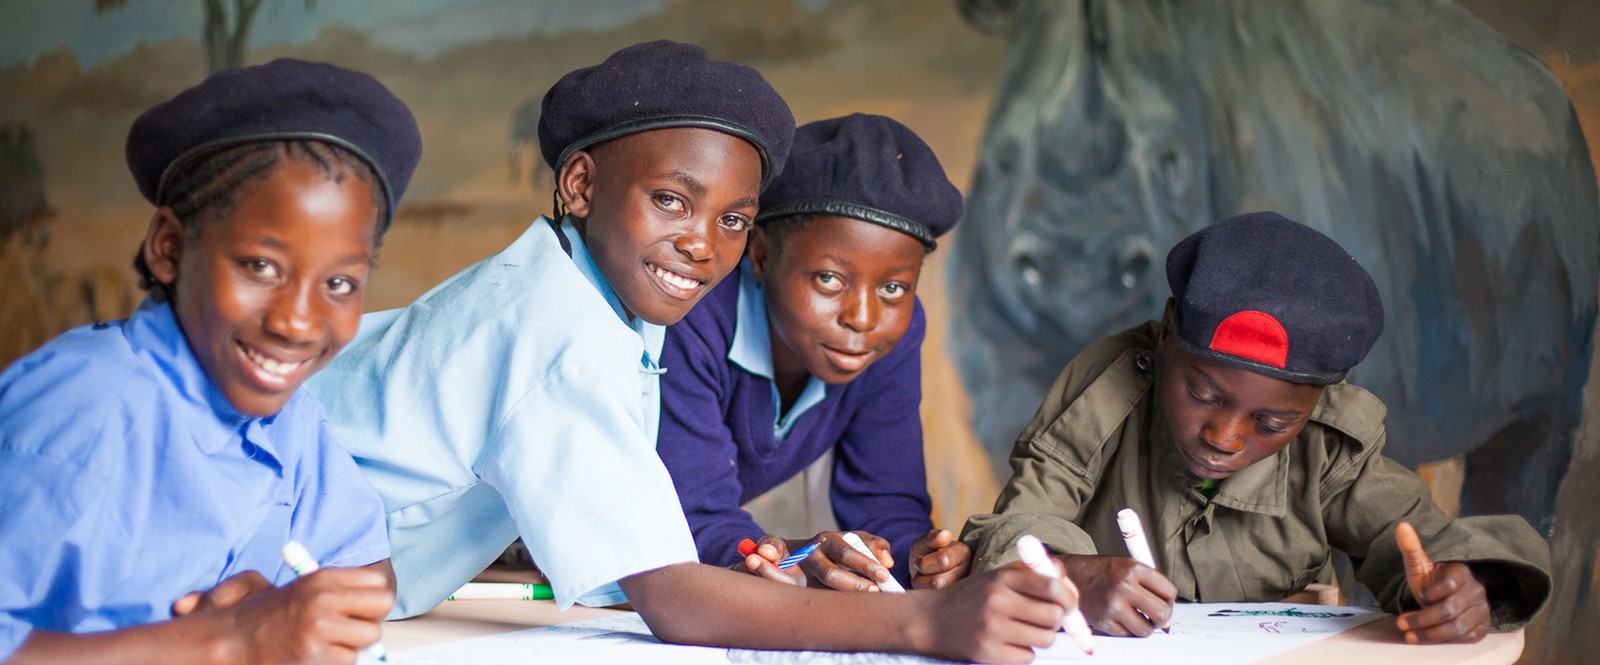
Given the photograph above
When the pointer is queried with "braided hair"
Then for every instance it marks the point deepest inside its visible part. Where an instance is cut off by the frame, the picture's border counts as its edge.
(211, 186)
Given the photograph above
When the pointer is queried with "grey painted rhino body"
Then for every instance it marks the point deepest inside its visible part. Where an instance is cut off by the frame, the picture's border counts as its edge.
(1447, 161)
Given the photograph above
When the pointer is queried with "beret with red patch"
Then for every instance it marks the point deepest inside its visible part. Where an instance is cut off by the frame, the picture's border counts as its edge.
(1267, 293)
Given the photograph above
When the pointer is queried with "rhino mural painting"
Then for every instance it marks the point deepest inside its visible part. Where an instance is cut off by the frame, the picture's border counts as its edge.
(1447, 161)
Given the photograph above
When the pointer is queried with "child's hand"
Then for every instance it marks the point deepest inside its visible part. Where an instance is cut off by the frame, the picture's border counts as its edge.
(327, 616)
(1455, 606)
(1121, 596)
(998, 617)
(764, 562)
(938, 559)
(837, 565)
(224, 595)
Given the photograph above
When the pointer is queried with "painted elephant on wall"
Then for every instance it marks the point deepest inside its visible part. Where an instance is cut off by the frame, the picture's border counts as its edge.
(1447, 161)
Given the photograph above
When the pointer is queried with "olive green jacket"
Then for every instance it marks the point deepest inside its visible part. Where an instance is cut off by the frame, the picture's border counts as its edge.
(1100, 443)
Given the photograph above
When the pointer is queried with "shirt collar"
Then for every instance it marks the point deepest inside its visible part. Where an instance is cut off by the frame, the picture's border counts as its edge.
(752, 339)
(752, 350)
(654, 335)
(154, 334)
(1262, 487)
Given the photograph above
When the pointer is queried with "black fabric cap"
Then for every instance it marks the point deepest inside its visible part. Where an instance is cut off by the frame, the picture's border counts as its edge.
(283, 99)
(661, 84)
(1269, 294)
(868, 167)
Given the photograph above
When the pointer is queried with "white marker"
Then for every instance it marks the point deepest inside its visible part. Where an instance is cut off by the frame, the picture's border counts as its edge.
(301, 561)
(1133, 535)
(1138, 546)
(890, 585)
(1037, 560)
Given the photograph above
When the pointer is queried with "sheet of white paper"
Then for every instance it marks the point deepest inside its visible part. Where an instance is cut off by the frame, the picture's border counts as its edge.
(1220, 634)
(1202, 634)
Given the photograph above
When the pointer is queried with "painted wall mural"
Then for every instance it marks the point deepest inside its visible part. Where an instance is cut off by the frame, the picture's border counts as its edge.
(1449, 162)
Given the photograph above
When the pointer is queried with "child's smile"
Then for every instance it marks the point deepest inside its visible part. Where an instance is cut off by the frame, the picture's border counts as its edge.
(681, 285)
(272, 374)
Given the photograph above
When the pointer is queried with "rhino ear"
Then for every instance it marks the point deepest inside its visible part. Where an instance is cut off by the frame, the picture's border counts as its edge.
(991, 17)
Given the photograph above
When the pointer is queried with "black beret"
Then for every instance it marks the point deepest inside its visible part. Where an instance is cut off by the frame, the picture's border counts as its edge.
(283, 99)
(868, 167)
(1269, 294)
(661, 84)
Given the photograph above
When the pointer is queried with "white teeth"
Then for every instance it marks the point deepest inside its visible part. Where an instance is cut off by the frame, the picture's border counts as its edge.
(676, 280)
(272, 366)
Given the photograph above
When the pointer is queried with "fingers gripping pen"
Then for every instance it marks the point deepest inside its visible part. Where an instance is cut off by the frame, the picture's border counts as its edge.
(302, 563)
(891, 585)
(1138, 545)
(1036, 559)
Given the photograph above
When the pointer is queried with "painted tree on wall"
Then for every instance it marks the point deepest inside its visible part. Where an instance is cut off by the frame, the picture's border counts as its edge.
(37, 303)
(226, 29)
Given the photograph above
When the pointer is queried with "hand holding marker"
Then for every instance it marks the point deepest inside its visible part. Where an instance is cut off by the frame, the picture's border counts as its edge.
(748, 547)
(1037, 560)
(301, 562)
(889, 584)
(1138, 546)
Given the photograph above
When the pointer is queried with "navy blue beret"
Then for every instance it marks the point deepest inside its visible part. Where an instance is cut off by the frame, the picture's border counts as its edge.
(1269, 294)
(283, 99)
(868, 167)
(661, 84)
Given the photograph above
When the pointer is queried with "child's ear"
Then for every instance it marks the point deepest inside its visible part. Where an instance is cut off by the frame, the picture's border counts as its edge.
(575, 183)
(760, 251)
(163, 246)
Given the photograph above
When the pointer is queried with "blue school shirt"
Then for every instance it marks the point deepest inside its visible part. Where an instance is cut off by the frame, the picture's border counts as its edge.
(128, 480)
(724, 444)
(513, 399)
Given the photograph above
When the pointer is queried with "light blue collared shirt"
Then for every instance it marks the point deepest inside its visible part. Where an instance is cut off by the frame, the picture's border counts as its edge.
(512, 399)
(752, 350)
(128, 480)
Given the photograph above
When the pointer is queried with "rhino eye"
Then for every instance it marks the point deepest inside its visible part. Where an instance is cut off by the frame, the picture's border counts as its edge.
(1028, 269)
(1004, 156)
(1133, 261)
(1173, 169)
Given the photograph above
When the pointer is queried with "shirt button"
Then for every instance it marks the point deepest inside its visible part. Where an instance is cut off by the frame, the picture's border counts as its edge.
(101, 325)
(1142, 361)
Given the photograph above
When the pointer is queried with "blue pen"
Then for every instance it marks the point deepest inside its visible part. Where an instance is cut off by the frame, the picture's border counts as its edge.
(795, 558)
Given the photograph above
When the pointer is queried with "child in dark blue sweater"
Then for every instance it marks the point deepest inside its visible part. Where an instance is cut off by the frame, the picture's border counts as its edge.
(815, 347)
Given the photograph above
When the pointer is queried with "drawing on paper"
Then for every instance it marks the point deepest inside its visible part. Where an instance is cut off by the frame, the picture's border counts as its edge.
(825, 658)
(1291, 612)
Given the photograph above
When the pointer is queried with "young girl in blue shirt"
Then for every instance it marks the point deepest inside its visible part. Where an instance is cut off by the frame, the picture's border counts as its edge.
(154, 468)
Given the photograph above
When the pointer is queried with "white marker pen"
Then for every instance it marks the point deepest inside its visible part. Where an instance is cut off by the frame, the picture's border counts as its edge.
(1036, 559)
(1138, 546)
(891, 585)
